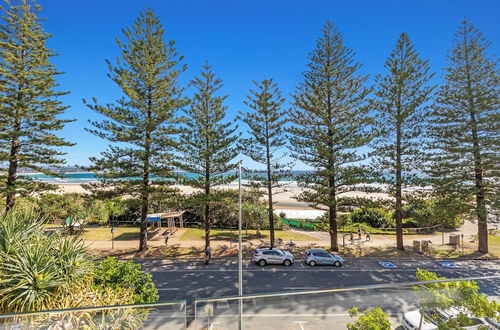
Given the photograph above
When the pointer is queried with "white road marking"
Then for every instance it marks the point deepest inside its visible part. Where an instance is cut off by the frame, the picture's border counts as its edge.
(167, 289)
(274, 270)
(300, 287)
(288, 315)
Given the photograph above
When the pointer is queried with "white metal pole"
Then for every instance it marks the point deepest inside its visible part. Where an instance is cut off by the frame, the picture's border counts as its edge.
(240, 255)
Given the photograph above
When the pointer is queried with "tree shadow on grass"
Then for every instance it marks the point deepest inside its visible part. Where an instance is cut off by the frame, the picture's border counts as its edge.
(127, 236)
(233, 236)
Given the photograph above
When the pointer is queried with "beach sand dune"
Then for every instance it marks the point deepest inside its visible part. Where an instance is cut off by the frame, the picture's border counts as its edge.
(284, 201)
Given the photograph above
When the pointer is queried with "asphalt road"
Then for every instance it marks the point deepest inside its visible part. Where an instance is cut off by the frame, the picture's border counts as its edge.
(191, 280)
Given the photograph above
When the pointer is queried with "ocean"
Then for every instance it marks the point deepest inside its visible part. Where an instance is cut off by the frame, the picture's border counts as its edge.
(86, 177)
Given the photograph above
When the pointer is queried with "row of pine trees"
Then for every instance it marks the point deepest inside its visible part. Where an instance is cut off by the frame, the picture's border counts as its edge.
(407, 124)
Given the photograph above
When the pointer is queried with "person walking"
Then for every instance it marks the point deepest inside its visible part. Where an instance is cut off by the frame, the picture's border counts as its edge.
(351, 237)
(208, 254)
(359, 233)
(368, 238)
(166, 238)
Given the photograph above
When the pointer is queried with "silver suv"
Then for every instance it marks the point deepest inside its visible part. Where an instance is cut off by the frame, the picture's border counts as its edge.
(315, 257)
(273, 256)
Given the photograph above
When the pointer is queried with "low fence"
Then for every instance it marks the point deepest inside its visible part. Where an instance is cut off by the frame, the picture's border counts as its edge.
(312, 226)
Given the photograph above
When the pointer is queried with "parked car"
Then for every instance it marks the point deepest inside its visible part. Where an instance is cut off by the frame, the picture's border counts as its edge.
(275, 256)
(315, 257)
(411, 320)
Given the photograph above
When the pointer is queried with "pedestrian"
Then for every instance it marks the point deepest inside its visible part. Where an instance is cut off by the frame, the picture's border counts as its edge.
(359, 233)
(352, 237)
(368, 238)
(166, 238)
(208, 254)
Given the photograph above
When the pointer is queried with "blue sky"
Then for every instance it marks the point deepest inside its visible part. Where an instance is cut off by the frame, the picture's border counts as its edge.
(244, 41)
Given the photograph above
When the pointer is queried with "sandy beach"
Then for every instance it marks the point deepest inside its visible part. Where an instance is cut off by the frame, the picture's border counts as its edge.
(285, 201)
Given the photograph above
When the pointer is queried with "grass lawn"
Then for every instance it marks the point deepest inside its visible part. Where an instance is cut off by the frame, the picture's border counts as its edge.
(193, 234)
(470, 250)
(104, 233)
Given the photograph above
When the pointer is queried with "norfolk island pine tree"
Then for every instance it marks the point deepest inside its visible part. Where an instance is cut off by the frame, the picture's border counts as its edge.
(143, 123)
(465, 131)
(330, 123)
(207, 144)
(402, 98)
(29, 99)
(265, 122)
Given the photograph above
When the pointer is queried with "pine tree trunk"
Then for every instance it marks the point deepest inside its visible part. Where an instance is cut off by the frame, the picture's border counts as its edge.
(482, 225)
(11, 175)
(271, 215)
(269, 189)
(333, 228)
(13, 161)
(207, 209)
(333, 214)
(399, 213)
(143, 236)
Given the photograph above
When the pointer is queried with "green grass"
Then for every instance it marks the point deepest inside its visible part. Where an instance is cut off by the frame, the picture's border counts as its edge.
(104, 233)
(193, 234)
(470, 250)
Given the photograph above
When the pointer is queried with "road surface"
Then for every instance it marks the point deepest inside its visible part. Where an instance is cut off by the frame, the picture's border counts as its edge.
(191, 280)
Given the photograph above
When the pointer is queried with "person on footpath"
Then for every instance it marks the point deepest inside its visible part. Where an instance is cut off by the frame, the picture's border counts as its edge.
(208, 255)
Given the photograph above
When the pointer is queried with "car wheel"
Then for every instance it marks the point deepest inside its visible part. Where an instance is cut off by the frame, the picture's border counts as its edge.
(312, 263)
(262, 263)
(287, 262)
(336, 263)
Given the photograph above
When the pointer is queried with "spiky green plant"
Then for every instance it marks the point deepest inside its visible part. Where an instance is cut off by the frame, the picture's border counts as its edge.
(35, 267)
(17, 227)
(29, 276)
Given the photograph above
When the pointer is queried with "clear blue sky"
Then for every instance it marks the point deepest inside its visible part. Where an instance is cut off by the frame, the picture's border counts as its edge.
(244, 41)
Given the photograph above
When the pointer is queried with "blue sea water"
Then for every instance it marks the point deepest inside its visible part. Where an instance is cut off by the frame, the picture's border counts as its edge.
(86, 177)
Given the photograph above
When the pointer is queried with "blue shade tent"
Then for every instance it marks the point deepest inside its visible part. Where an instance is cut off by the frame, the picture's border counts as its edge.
(172, 218)
(153, 218)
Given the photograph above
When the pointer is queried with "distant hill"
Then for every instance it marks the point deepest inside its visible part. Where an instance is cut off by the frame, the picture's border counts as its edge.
(74, 168)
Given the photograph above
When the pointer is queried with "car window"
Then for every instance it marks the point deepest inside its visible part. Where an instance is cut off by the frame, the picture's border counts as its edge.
(267, 252)
(316, 254)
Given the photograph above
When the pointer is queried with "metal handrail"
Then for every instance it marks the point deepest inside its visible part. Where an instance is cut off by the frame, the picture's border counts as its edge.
(97, 308)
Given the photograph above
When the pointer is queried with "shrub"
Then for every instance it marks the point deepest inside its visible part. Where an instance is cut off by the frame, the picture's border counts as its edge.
(431, 212)
(410, 223)
(374, 217)
(374, 319)
(35, 267)
(97, 212)
(126, 275)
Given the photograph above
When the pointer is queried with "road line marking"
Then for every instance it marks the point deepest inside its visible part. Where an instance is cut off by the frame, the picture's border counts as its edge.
(314, 270)
(300, 287)
(167, 289)
(288, 315)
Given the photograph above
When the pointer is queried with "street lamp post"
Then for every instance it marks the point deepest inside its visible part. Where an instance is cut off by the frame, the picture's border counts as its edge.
(240, 255)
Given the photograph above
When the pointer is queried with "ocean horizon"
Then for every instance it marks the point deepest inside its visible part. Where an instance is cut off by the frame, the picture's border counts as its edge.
(87, 177)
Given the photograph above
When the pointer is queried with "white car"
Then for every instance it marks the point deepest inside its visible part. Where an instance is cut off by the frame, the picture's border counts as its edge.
(273, 256)
(411, 320)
